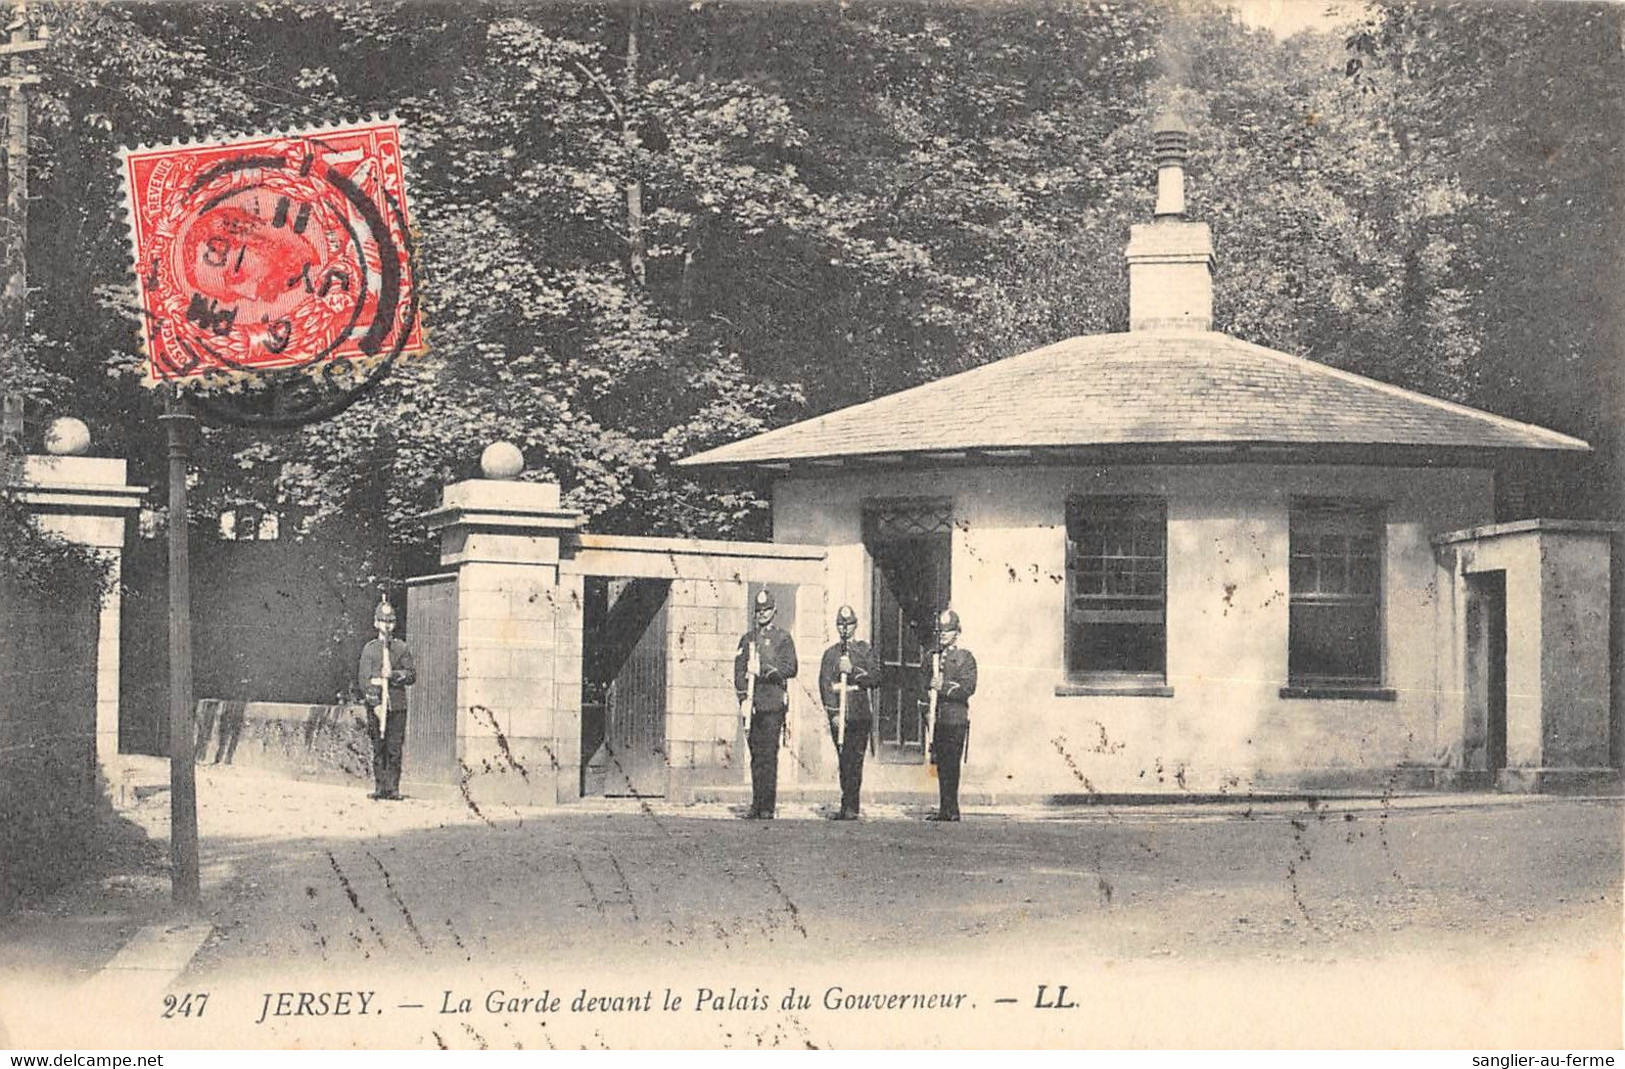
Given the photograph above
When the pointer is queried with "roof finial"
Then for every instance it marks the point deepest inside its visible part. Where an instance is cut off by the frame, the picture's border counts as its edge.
(1170, 144)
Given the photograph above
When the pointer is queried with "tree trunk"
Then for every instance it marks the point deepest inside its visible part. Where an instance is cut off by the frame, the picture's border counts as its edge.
(629, 137)
(686, 284)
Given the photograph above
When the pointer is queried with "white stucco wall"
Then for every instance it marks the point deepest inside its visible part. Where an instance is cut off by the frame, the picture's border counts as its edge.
(1226, 727)
(1574, 666)
(1557, 619)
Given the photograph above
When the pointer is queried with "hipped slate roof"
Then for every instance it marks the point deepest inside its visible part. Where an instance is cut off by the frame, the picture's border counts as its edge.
(1144, 388)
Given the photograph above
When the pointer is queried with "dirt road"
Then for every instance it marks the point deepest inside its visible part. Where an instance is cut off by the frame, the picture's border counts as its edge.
(1410, 917)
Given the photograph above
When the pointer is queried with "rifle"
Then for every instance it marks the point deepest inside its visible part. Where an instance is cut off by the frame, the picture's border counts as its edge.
(931, 702)
(840, 723)
(753, 663)
(387, 671)
(379, 748)
(784, 721)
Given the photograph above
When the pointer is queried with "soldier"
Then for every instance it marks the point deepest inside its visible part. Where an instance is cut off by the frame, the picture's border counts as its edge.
(845, 677)
(384, 674)
(953, 681)
(766, 662)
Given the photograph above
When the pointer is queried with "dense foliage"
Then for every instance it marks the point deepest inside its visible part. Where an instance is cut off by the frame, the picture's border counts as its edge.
(648, 228)
(37, 560)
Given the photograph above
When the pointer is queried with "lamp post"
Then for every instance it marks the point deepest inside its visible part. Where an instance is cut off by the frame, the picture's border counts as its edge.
(183, 845)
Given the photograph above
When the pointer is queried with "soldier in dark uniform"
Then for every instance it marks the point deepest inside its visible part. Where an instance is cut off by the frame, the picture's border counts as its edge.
(954, 681)
(377, 682)
(765, 663)
(854, 660)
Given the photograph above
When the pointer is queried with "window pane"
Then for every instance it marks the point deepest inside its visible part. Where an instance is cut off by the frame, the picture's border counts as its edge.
(1303, 575)
(1363, 576)
(1333, 576)
(887, 635)
(912, 648)
(1334, 641)
(1117, 648)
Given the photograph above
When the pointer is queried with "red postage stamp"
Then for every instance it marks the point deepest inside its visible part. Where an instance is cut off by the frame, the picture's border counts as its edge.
(284, 251)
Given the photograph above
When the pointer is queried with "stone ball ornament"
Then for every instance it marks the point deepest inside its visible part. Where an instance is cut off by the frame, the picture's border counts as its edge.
(502, 460)
(67, 437)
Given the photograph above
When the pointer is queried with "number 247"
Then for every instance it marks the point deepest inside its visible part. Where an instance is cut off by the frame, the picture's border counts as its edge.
(188, 1005)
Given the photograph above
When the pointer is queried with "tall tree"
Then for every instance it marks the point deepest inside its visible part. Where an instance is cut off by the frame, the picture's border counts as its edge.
(647, 228)
(1512, 119)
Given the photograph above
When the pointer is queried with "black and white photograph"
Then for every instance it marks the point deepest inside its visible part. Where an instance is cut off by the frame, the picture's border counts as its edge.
(735, 524)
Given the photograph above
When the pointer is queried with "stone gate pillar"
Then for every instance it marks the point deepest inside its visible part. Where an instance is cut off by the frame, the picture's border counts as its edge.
(518, 663)
(87, 500)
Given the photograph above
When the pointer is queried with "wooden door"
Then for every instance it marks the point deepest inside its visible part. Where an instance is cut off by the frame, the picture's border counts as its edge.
(1487, 669)
(624, 688)
(430, 750)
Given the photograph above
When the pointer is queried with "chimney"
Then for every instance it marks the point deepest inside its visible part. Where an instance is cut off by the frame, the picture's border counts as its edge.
(1170, 260)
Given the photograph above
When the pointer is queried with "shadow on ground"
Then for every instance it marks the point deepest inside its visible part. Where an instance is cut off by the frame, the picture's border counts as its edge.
(119, 882)
(323, 877)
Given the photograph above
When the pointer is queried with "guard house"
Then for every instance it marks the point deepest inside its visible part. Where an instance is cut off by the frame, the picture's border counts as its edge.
(1190, 563)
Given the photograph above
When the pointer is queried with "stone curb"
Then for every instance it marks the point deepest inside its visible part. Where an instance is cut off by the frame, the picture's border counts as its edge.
(153, 958)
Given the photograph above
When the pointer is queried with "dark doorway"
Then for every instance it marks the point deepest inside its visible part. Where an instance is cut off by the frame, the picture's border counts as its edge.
(623, 688)
(1487, 675)
(911, 547)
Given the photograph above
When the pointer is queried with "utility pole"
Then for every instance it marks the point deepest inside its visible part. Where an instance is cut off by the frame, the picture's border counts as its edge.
(14, 298)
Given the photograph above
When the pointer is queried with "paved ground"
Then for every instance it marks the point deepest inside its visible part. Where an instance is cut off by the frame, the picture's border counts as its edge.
(1359, 923)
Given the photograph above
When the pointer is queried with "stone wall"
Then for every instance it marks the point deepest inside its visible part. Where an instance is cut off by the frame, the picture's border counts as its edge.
(703, 623)
(48, 784)
(321, 742)
(519, 567)
(706, 613)
(511, 745)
